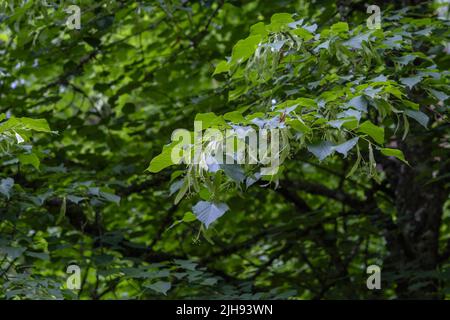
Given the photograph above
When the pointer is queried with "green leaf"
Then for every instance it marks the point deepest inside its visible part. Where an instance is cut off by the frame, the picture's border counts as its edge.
(326, 148)
(405, 59)
(163, 160)
(25, 123)
(9, 124)
(189, 217)
(372, 92)
(321, 150)
(12, 252)
(174, 187)
(160, 287)
(210, 281)
(279, 21)
(441, 96)
(186, 264)
(394, 42)
(6, 186)
(281, 18)
(375, 132)
(258, 28)
(359, 103)
(306, 102)
(303, 33)
(38, 255)
(205, 194)
(110, 197)
(324, 45)
(411, 81)
(298, 125)
(209, 120)
(30, 158)
(339, 27)
(345, 147)
(419, 116)
(337, 123)
(221, 67)
(356, 41)
(411, 105)
(74, 199)
(36, 124)
(234, 116)
(234, 171)
(394, 153)
(244, 49)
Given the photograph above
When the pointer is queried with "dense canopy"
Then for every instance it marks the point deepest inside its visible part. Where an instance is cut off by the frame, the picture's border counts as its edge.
(88, 178)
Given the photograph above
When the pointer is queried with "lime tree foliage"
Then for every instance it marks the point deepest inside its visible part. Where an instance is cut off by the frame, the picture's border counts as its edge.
(87, 176)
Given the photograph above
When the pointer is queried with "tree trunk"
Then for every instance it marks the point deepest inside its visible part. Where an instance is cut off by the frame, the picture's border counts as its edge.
(414, 242)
